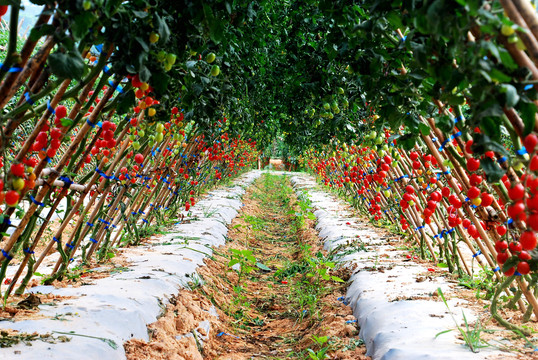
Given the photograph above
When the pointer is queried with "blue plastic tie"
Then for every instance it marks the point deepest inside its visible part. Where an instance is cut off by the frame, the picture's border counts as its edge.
(28, 98)
(35, 201)
(479, 252)
(6, 255)
(522, 152)
(8, 69)
(93, 240)
(28, 251)
(70, 246)
(496, 269)
(55, 239)
(501, 160)
(66, 180)
(89, 224)
(50, 108)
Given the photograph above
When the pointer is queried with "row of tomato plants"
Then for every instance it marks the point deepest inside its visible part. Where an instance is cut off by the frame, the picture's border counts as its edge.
(75, 152)
(445, 148)
(438, 195)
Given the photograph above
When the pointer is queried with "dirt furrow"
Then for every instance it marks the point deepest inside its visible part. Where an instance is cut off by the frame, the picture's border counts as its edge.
(270, 293)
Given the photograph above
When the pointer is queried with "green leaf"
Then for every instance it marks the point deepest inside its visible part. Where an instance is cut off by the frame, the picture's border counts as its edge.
(511, 94)
(262, 266)
(140, 14)
(216, 26)
(442, 265)
(67, 65)
(126, 101)
(445, 124)
(424, 129)
(81, 24)
(442, 332)
(511, 262)
(233, 262)
(162, 28)
(527, 111)
(66, 122)
(39, 31)
(493, 171)
(160, 82)
(337, 279)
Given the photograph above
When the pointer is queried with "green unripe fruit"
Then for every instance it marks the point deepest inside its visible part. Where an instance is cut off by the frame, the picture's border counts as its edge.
(171, 59)
(215, 70)
(210, 58)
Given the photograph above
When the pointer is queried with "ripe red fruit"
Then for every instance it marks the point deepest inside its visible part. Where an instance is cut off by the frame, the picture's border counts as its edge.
(466, 223)
(501, 246)
(446, 191)
(12, 198)
(139, 158)
(516, 209)
(510, 271)
(108, 135)
(502, 257)
(533, 165)
(515, 247)
(468, 147)
(528, 240)
(473, 164)
(56, 133)
(61, 112)
(516, 192)
(17, 169)
(435, 196)
(523, 268)
(530, 142)
(409, 189)
(55, 144)
(475, 179)
(107, 126)
(487, 199)
(523, 255)
(533, 221)
(416, 165)
(51, 152)
(175, 110)
(133, 121)
(413, 155)
(3, 10)
(501, 230)
(473, 192)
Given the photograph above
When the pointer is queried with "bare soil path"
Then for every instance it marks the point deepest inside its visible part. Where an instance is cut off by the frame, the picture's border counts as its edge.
(270, 293)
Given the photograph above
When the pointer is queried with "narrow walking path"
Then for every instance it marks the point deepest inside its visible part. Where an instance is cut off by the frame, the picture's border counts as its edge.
(275, 290)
